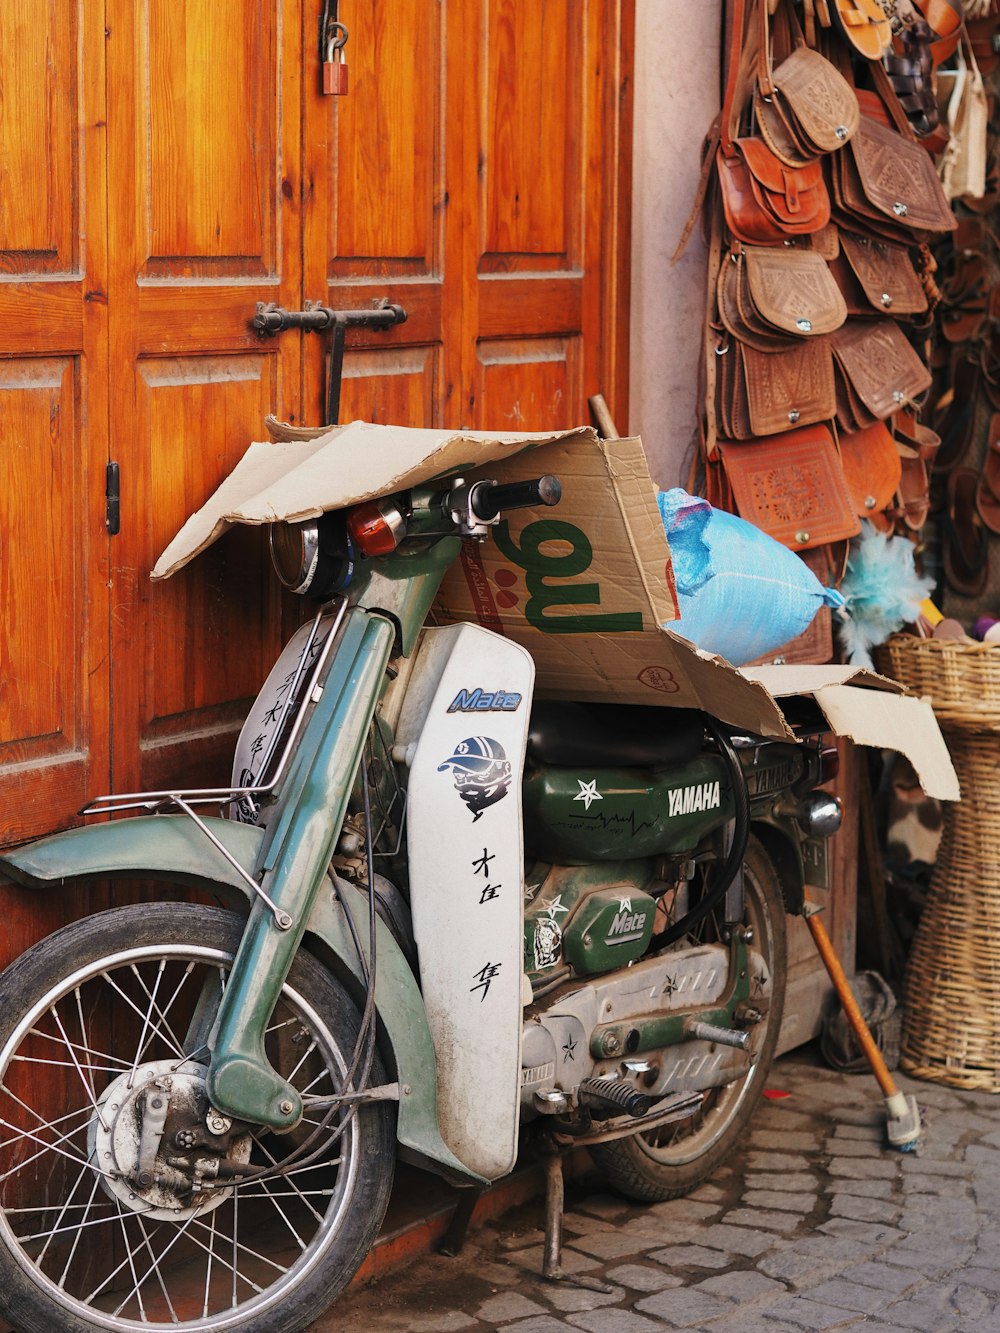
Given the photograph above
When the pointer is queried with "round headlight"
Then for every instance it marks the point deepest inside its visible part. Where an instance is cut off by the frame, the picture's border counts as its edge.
(314, 557)
(295, 553)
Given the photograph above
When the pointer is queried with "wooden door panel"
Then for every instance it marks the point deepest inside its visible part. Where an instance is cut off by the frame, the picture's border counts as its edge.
(525, 383)
(533, 131)
(40, 198)
(206, 94)
(198, 677)
(392, 385)
(206, 120)
(53, 406)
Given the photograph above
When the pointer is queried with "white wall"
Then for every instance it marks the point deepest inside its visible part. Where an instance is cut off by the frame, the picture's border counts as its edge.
(676, 99)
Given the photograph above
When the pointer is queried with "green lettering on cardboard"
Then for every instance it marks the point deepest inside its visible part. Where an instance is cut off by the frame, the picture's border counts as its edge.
(540, 567)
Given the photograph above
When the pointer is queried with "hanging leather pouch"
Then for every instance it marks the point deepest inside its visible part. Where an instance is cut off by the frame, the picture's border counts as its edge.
(872, 469)
(793, 487)
(877, 277)
(766, 393)
(804, 96)
(877, 371)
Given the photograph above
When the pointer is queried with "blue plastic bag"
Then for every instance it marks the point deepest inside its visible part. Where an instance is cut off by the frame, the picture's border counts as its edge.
(741, 593)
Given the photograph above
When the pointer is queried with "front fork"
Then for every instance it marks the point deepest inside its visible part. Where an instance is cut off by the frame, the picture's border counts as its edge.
(296, 853)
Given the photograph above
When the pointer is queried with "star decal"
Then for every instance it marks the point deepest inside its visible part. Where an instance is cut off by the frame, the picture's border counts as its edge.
(569, 1046)
(530, 890)
(556, 906)
(624, 904)
(669, 986)
(588, 793)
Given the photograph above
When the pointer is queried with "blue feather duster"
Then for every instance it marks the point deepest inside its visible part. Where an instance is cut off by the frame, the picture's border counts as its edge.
(883, 592)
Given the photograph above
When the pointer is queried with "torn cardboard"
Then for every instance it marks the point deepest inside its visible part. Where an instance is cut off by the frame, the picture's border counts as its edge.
(586, 587)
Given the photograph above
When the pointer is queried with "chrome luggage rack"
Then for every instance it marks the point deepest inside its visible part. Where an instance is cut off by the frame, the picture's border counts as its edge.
(159, 802)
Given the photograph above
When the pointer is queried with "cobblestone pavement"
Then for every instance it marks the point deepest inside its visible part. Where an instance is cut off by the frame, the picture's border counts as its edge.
(813, 1225)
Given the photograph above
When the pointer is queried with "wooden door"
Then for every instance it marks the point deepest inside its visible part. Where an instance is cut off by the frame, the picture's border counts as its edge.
(204, 143)
(476, 174)
(54, 546)
(165, 165)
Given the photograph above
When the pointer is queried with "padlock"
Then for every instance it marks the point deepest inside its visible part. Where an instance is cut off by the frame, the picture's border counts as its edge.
(334, 66)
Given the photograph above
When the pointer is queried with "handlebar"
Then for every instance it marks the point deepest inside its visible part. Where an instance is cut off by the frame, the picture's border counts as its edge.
(490, 498)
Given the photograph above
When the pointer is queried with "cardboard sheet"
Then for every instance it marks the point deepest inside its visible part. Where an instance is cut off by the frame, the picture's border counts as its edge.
(587, 587)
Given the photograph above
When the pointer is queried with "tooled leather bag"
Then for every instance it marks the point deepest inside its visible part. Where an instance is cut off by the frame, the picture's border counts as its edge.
(804, 106)
(872, 470)
(767, 393)
(885, 183)
(764, 199)
(877, 372)
(792, 486)
(769, 294)
(877, 278)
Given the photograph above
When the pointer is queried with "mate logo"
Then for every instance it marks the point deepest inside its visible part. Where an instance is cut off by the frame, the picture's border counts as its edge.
(483, 701)
(627, 925)
(700, 796)
(542, 565)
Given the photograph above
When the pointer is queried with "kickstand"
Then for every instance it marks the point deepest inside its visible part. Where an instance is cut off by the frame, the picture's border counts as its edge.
(458, 1227)
(552, 1260)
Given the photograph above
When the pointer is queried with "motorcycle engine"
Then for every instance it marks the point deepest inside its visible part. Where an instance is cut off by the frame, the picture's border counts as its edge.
(584, 919)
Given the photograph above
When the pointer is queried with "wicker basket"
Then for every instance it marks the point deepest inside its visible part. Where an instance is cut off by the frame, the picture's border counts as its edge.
(951, 1025)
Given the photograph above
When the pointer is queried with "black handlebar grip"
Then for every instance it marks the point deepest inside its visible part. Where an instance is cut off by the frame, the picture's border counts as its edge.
(490, 498)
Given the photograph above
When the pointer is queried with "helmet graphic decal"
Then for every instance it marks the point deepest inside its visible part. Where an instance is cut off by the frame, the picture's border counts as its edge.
(481, 772)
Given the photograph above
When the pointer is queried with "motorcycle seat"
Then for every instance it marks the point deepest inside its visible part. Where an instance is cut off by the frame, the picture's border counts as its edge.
(613, 735)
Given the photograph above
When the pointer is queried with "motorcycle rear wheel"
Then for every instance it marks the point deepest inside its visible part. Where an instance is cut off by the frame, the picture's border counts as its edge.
(89, 1017)
(669, 1161)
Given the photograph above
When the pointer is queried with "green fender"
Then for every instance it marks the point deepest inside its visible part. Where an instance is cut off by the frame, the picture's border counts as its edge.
(172, 847)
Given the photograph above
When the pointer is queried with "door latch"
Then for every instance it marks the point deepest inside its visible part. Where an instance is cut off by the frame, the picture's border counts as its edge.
(112, 499)
(271, 319)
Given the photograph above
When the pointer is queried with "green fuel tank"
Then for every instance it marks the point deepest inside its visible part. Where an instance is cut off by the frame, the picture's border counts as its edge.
(576, 816)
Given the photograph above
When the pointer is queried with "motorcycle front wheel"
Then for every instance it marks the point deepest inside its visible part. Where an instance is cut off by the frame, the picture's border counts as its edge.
(235, 1229)
(669, 1161)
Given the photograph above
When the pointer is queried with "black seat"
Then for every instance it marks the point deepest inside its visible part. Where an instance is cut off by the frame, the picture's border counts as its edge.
(612, 735)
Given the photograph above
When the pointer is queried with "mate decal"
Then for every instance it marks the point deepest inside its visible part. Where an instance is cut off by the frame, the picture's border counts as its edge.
(484, 701)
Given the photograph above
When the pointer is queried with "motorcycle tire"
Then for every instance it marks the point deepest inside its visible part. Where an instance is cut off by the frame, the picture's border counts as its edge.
(669, 1161)
(93, 1020)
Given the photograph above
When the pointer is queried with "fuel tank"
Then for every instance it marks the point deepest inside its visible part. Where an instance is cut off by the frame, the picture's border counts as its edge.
(575, 816)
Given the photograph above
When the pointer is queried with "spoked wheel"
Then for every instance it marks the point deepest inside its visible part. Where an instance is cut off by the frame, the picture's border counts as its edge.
(672, 1159)
(126, 1200)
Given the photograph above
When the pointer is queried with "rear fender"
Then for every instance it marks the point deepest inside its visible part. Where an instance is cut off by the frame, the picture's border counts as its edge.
(172, 847)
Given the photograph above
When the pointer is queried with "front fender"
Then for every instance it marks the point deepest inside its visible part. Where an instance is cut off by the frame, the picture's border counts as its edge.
(172, 847)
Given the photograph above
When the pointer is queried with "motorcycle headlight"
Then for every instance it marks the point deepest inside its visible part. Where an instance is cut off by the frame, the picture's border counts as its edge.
(313, 558)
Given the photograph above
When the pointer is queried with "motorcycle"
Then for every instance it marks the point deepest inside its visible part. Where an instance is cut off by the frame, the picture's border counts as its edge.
(439, 917)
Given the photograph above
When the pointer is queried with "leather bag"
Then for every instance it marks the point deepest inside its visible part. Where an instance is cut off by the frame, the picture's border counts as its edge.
(790, 290)
(962, 165)
(872, 470)
(888, 184)
(877, 278)
(764, 199)
(877, 372)
(792, 486)
(815, 104)
(767, 393)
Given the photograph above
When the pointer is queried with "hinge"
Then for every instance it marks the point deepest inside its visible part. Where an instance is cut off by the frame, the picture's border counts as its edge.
(112, 499)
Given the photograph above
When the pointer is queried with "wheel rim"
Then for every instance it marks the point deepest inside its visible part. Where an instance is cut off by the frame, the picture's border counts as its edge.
(118, 1262)
(680, 1142)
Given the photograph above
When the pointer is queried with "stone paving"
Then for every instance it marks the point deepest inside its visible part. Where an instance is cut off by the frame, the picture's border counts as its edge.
(813, 1225)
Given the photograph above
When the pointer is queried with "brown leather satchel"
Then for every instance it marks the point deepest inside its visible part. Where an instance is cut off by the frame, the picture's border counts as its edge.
(877, 372)
(877, 277)
(766, 393)
(770, 297)
(872, 470)
(793, 487)
(816, 106)
(764, 199)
